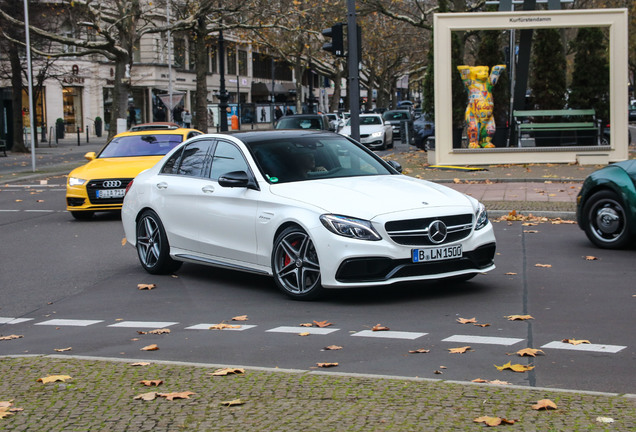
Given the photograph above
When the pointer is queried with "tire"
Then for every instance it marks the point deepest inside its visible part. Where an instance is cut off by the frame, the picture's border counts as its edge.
(295, 265)
(153, 249)
(82, 215)
(605, 222)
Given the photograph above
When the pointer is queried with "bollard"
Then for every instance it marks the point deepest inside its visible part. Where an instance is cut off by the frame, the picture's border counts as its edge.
(78, 136)
(86, 134)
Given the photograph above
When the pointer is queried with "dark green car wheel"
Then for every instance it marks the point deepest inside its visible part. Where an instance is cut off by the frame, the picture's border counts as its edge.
(606, 220)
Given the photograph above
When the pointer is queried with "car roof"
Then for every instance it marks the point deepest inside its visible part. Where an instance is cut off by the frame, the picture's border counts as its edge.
(259, 135)
(161, 131)
(154, 126)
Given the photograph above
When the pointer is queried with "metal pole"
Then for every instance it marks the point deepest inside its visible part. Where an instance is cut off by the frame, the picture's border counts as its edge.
(171, 107)
(223, 96)
(30, 78)
(353, 87)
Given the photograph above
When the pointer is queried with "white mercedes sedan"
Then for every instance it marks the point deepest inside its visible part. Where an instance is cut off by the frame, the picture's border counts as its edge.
(375, 133)
(313, 209)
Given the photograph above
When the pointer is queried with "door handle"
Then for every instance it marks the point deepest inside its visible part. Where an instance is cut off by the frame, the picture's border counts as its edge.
(162, 185)
(208, 189)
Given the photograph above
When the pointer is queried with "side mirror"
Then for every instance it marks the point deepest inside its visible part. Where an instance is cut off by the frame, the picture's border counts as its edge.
(89, 156)
(237, 179)
(395, 165)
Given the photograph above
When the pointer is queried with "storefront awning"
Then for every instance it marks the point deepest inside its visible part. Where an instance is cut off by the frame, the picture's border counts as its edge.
(260, 89)
(285, 88)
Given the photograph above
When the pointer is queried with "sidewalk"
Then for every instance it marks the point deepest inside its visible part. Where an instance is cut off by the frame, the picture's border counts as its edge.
(544, 189)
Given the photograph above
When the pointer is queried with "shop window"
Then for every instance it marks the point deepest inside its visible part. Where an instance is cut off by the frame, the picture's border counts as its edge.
(73, 111)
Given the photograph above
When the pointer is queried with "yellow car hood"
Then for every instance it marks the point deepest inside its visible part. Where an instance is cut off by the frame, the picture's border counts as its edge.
(119, 167)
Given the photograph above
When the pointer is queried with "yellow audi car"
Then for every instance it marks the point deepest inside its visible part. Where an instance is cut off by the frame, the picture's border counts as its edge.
(100, 184)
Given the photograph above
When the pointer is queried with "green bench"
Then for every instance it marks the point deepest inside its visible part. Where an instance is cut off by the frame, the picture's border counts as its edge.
(575, 126)
(3, 147)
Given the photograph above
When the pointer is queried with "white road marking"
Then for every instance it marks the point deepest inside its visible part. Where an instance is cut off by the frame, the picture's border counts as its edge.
(69, 322)
(143, 324)
(490, 340)
(207, 327)
(310, 330)
(39, 211)
(389, 334)
(10, 211)
(4, 320)
(584, 347)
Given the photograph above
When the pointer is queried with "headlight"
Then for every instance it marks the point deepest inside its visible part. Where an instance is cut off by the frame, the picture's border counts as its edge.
(376, 134)
(74, 181)
(481, 216)
(350, 227)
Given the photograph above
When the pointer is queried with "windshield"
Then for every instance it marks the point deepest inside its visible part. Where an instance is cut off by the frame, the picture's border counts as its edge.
(367, 120)
(283, 160)
(141, 145)
(298, 123)
(395, 115)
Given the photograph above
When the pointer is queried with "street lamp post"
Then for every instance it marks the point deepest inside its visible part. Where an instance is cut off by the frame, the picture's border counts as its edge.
(223, 95)
(30, 79)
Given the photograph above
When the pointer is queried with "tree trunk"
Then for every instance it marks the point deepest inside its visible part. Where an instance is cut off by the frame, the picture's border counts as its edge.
(16, 83)
(121, 91)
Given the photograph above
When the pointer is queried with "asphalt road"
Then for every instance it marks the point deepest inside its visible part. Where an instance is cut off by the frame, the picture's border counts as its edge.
(69, 284)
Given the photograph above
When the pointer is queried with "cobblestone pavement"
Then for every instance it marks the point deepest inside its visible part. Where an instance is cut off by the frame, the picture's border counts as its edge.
(100, 396)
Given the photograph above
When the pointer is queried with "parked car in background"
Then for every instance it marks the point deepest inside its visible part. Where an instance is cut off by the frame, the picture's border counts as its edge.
(312, 209)
(632, 112)
(100, 184)
(335, 121)
(374, 132)
(606, 205)
(423, 128)
(395, 118)
(304, 121)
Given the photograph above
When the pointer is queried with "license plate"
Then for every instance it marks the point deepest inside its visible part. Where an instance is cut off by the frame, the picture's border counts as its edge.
(436, 254)
(111, 193)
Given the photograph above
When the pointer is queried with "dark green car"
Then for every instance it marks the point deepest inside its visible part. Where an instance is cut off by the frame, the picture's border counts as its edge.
(606, 205)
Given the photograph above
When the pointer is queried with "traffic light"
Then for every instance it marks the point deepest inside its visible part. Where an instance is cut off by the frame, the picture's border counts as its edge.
(336, 46)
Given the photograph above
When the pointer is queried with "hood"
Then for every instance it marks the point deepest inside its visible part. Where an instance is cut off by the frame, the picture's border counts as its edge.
(124, 167)
(371, 196)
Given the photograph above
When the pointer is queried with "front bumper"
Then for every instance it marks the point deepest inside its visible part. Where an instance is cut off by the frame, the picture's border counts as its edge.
(349, 263)
(85, 197)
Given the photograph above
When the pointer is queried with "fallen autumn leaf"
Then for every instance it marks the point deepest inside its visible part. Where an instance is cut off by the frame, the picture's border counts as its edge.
(544, 404)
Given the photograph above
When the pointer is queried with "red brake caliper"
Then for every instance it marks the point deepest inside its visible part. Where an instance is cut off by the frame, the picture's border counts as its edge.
(287, 259)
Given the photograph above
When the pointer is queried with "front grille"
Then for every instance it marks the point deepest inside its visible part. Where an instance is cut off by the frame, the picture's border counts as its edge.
(94, 185)
(414, 232)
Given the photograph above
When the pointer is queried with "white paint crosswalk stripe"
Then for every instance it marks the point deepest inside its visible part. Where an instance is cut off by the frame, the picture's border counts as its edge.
(584, 347)
(69, 322)
(297, 330)
(4, 320)
(490, 340)
(143, 324)
(389, 334)
(241, 327)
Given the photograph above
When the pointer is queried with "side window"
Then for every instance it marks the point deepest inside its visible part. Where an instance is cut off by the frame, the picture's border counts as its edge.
(171, 165)
(195, 159)
(227, 158)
